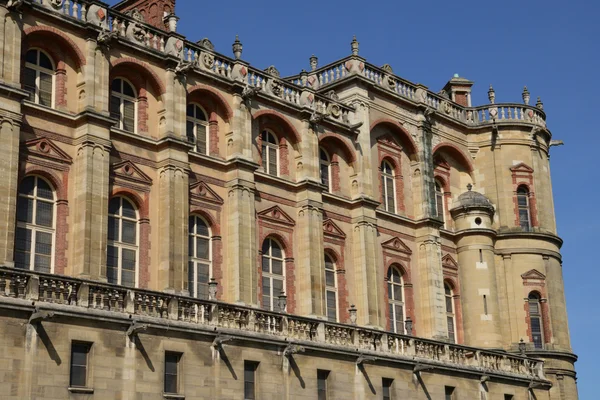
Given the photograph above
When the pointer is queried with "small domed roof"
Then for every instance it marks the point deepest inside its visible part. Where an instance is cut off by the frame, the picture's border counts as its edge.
(471, 199)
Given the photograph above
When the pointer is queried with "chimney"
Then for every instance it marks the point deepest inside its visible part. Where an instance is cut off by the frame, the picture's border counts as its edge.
(154, 12)
(459, 90)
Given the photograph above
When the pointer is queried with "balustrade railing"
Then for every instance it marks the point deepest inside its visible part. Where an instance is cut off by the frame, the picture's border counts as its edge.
(65, 291)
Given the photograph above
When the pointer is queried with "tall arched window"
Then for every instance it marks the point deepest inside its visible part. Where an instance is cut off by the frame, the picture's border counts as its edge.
(331, 289)
(439, 200)
(325, 168)
(197, 128)
(396, 299)
(273, 276)
(122, 248)
(536, 320)
(122, 104)
(270, 153)
(388, 187)
(38, 78)
(450, 314)
(524, 210)
(34, 237)
(199, 266)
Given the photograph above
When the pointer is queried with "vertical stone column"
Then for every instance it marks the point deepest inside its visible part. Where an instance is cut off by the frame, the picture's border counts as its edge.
(96, 76)
(9, 172)
(368, 275)
(10, 47)
(173, 210)
(365, 164)
(431, 312)
(557, 304)
(89, 224)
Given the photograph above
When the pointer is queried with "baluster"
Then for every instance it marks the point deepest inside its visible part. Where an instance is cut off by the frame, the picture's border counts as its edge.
(67, 7)
(122, 27)
(84, 12)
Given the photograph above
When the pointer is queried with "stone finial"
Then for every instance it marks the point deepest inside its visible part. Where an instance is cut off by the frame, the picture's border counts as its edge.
(272, 71)
(237, 48)
(314, 62)
(539, 104)
(352, 311)
(354, 46)
(282, 301)
(492, 95)
(522, 347)
(469, 187)
(171, 22)
(526, 96)
(408, 325)
(212, 289)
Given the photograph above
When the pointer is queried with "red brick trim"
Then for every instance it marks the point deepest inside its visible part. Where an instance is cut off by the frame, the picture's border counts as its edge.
(522, 175)
(289, 131)
(394, 159)
(334, 145)
(535, 282)
(401, 133)
(455, 151)
(131, 64)
(55, 35)
(217, 98)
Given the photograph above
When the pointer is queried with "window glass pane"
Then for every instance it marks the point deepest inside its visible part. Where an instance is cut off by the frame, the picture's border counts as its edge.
(45, 61)
(450, 321)
(128, 116)
(201, 139)
(265, 264)
(277, 287)
(392, 317)
(79, 354)
(533, 307)
(398, 292)
(44, 190)
(78, 376)
(189, 131)
(113, 228)
(128, 89)
(200, 114)
(45, 213)
(277, 267)
(43, 243)
(128, 234)
(116, 86)
(330, 278)
(128, 265)
(25, 209)
(264, 157)
(190, 110)
(272, 161)
(45, 92)
(449, 304)
(128, 210)
(23, 239)
(114, 205)
(191, 280)
(391, 201)
(31, 57)
(115, 107)
(266, 293)
(27, 186)
(386, 386)
(325, 174)
(331, 306)
(522, 200)
(202, 248)
(399, 318)
(29, 77)
(201, 227)
(276, 250)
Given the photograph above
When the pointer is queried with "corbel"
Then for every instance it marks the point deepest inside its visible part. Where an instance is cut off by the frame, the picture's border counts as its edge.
(364, 359)
(39, 316)
(292, 349)
(217, 343)
(135, 328)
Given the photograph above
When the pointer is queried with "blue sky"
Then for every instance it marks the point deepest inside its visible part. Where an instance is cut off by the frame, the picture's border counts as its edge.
(550, 46)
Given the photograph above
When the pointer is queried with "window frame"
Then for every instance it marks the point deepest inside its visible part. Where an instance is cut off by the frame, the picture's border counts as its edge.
(385, 176)
(195, 260)
(536, 298)
(270, 275)
(251, 367)
(394, 302)
(122, 98)
(450, 392)
(88, 347)
(449, 297)
(196, 121)
(120, 245)
(333, 289)
(523, 192)
(440, 201)
(39, 69)
(33, 226)
(266, 155)
(387, 383)
(325, 163)
(178, 375)
(323, 376)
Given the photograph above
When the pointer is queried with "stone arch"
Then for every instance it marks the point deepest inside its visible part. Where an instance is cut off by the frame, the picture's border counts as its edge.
(136, 65)
(54, 181)
(400, 132)
(216, 97)
(331, 142)
(210, 220)
(457, 153)
(279, 238)
(292, 132)
(56, 36)
(132, 196)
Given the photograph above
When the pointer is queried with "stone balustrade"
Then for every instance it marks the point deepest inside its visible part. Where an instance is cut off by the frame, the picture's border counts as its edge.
(77, 293)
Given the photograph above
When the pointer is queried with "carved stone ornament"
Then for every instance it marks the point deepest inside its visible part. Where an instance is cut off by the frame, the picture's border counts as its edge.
(335, 111)
(277, 88)
(53, 4)
(183, 67)
(332, 95)
(105, 37)
(207, 44)
(14, 5)
(96, 15)
(135, 32)
(387, 68)
(272, 71)
(447, 107)
(136, 15)
(208, 60)
(174, 47)
(391, 82)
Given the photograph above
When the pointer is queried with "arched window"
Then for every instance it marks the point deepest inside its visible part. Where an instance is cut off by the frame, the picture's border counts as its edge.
(122, 104)
(396, 299)
(34, 237)
(450, 314)
(524, 211)
(122, 248)
(536, 320)
(270, 153)
(197, 128)
(38, 79)
(331, 289)
(325, 168)
(388, 187)
(439, 200)
(199, 266)
(273, 276)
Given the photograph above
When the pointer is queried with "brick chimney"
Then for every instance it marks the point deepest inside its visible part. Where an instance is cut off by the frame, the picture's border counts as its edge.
(153, 11)
(459, 90)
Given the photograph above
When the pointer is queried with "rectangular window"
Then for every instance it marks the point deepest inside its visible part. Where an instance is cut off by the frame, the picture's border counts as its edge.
(201, 138)
(451, 335)
(536, 332)
(172, 372)
(386, 384)
(79, 364)
(508, 397)
(331, 306)
(322, 376)
(450, 393)
(250, 368)
(45, 89)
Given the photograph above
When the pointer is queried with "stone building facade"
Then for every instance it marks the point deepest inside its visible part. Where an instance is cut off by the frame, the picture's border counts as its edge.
(176, 223)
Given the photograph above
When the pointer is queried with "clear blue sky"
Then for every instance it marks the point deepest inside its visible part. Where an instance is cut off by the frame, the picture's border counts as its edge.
(552, 47)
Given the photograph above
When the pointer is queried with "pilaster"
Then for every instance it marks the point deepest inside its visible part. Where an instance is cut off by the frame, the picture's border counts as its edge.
(9, 171)
(557, 304)
(10, 46)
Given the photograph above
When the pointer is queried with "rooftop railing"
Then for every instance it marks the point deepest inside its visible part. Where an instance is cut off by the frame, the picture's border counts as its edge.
(66, 291)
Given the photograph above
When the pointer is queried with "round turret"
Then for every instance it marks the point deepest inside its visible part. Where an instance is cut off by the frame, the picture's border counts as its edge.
(471, 200)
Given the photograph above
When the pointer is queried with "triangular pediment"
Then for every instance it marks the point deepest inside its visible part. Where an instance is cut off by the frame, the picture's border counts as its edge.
(533, 274)
(440, 162)
(45, 148)
(397, 244)
(521, 167)
(330, 228)
(201, 191)
(129, 171)
(277, 215)
(388, 140)
(449, 262)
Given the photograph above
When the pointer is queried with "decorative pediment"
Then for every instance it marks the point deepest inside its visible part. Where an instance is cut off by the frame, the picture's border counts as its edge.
(129, 171)
(522, 167)
(388, 140)
(533, 274)
(331, 229)
(201, 191)
(276, 215)
(449, 262)
(398, 245)
(45, 148)
(440, 162)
